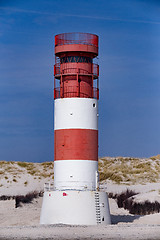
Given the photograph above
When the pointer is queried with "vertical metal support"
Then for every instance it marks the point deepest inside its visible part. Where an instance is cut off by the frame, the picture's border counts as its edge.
(78, 87)
(92, 87)
(92, 81)
(98, 88)
(54, 75)
(79, 90)
(61, 87)
(54, 89)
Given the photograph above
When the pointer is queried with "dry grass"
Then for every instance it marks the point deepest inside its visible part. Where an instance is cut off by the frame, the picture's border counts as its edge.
(126, 201)
(25, 199)
(129, 170)
(37, 170)
(118, 169)
(155, 157)
(22, 164)
(25, 183)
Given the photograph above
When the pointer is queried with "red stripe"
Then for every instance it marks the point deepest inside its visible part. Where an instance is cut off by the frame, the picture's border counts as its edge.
(72, 144)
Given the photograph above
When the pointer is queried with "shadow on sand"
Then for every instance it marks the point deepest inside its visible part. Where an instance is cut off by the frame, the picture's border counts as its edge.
(123, 218)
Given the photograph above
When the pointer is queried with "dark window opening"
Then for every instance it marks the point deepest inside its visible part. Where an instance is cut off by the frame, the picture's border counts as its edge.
(76, 59)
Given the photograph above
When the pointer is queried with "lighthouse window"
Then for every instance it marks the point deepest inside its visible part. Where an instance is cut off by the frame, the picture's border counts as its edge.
(80, 59)
(94, 105)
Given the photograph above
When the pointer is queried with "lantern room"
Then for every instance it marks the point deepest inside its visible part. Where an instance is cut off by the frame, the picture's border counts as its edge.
(75, 73)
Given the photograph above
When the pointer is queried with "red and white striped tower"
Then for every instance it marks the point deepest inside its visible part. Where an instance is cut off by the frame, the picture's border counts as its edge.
(76, 112)
(76, 97)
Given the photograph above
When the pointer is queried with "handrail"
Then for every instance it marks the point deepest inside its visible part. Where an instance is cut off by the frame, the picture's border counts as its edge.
(56, 92)
(57, 69)
(48, 187)
(75, 70)
(72, 92)
(95, 70)
(76, 38)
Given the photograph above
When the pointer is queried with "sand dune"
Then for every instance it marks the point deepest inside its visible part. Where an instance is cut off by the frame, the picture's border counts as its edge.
(23, 222)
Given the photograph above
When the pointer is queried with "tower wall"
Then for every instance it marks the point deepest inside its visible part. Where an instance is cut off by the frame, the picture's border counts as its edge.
(76, 143)
(76, 112)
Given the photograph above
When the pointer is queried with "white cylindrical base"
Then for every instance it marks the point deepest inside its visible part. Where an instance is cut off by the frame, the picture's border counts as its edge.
(75, 208)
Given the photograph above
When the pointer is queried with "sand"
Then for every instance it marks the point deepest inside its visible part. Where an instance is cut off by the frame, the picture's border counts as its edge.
(128, 232)
(23, 222)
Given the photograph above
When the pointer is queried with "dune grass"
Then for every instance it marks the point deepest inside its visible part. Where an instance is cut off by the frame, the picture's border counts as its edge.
(41, 170)
(126, 170)
(129, 170)
(125, 200)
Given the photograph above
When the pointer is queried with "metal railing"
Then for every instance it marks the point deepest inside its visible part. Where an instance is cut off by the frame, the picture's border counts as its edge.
(76, 38)
(57, 69)
(56, 92)
(95, 70)
(48, 187)
(95, 93)
(72, 92)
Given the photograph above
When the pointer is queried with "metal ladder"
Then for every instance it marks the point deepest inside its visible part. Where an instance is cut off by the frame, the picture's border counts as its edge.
(97, 206)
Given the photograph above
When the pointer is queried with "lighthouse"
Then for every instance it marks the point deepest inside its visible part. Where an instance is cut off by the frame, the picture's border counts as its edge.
(75, 197)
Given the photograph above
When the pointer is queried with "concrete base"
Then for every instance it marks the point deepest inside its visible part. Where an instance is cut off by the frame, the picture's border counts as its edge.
(75, 208)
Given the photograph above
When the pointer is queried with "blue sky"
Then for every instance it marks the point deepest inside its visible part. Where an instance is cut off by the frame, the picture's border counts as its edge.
(129, 59)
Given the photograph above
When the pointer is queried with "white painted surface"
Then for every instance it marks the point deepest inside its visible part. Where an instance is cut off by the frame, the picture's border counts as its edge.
(74, 113)
(104, 208)
(75, 174)
(76, 208)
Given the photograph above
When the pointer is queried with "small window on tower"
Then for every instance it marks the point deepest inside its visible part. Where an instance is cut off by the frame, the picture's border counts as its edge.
(94, 105)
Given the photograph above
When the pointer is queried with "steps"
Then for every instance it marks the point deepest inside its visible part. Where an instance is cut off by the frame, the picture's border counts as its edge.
(97, 206)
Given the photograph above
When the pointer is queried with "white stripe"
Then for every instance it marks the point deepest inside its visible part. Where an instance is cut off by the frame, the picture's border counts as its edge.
(75, 113)
(75, 174)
